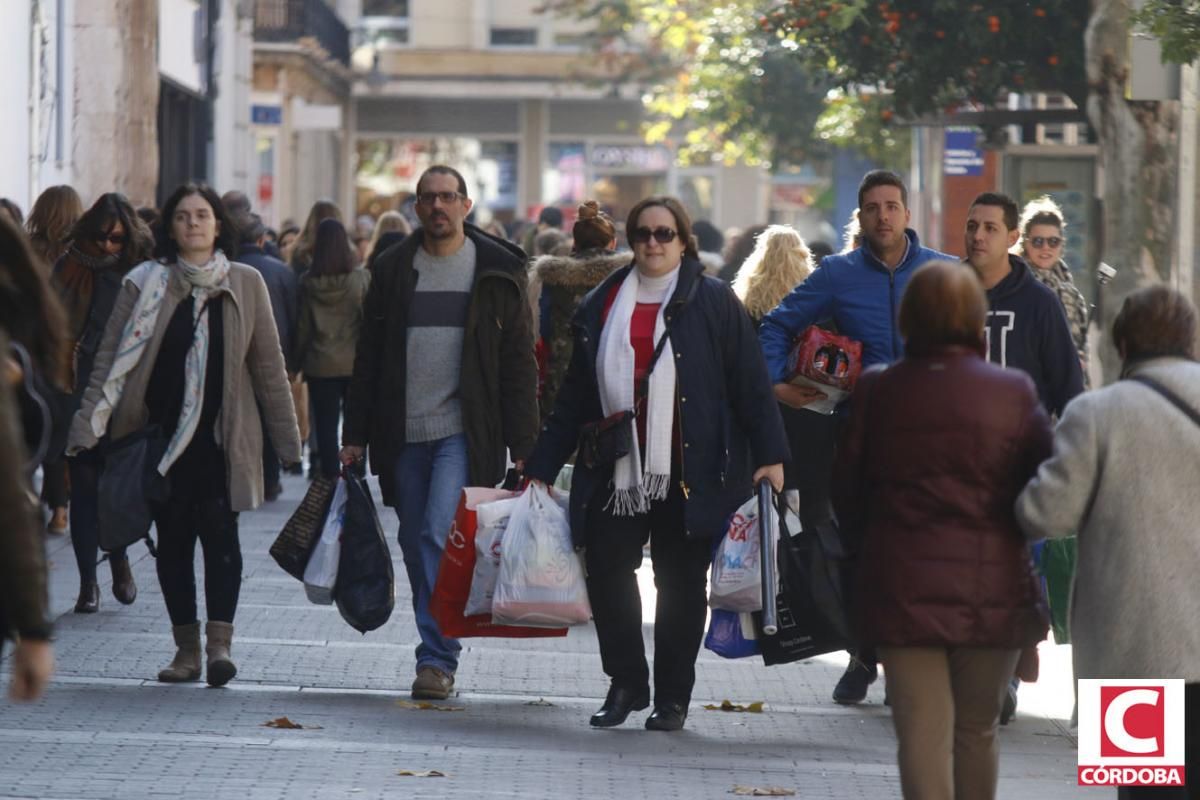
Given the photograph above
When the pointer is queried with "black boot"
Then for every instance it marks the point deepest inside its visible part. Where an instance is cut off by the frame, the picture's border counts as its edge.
(618, 704)
(852, 688)
(123, 587)
(667, 717)
(89, 599)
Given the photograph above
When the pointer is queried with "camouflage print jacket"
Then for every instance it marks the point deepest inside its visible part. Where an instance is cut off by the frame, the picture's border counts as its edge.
(1059, 279)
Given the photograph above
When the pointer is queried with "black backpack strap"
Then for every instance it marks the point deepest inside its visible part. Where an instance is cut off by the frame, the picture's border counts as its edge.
(1173, 398)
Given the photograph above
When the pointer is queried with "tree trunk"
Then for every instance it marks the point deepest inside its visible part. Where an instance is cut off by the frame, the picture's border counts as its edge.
(1138, 153)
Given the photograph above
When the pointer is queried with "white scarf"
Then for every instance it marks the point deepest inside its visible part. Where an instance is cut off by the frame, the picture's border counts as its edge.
(152, 279)
(635, 484)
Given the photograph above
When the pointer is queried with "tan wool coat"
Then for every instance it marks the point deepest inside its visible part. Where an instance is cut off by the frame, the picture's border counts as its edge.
(254, 376)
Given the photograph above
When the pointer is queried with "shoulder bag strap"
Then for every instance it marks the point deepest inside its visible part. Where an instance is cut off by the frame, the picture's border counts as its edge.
(642, 390)
(1173, 398)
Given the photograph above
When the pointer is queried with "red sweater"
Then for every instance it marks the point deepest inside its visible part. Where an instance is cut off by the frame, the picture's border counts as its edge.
(641, 336)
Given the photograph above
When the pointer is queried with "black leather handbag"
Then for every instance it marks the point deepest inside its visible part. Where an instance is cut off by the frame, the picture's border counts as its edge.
(129, 486)
(603, 442)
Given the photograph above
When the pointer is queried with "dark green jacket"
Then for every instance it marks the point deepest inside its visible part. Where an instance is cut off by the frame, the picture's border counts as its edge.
(498, 388)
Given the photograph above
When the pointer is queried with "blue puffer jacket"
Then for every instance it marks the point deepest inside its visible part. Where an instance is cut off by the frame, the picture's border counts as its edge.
(858, 293)
(729, 421)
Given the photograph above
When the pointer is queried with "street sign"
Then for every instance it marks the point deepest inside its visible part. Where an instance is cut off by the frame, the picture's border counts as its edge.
(962, 154)
(266, 115)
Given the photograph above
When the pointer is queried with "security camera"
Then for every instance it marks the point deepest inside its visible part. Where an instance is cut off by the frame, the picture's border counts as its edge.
(1105, 273)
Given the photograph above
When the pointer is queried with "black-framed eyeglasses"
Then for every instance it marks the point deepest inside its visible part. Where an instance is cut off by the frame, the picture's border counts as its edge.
(661, 235)
(109, 238)
(1045, 241)
(429, 198)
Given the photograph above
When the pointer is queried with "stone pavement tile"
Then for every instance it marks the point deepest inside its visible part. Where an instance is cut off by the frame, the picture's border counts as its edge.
(107, 729)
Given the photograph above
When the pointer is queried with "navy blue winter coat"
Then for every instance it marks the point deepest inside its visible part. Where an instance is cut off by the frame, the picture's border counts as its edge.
(858, 293)
(728, 419)
(1027, 329)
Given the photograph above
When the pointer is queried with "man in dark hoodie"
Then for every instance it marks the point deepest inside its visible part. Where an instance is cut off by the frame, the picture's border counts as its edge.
(444, 381)
(1026, 326)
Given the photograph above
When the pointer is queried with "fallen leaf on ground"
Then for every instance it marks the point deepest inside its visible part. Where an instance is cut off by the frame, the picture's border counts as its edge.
(429, 773)
(762, 791)
(752, 708)
(541, 701)
(424, 706)
(286, 724)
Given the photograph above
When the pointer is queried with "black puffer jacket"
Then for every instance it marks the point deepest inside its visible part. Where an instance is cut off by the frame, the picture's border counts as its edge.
(728, 418)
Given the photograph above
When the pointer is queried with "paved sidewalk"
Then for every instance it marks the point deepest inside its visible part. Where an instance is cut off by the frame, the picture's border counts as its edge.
(107, 730)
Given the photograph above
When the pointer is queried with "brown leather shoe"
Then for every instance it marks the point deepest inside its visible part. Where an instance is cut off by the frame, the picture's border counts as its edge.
(123, 587)
(89, 599)
(432, 684)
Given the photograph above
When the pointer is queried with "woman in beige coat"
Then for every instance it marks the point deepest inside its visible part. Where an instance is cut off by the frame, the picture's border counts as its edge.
(191, 347)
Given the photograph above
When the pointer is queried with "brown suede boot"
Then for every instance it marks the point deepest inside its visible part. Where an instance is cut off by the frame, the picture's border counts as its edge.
(186, 664)
(219, 636)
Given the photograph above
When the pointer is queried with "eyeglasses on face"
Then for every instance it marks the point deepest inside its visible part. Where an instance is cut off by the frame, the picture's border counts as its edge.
(108, 238)
(1045, 241)
(661, 235)
(429, 198)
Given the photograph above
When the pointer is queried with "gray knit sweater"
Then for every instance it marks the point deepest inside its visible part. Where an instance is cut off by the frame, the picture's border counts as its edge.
(436, 324)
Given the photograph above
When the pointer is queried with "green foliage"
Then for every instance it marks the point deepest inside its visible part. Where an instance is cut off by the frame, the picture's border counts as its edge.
(1176, 23)
(714, 81)
(932, 55)
(865, 123)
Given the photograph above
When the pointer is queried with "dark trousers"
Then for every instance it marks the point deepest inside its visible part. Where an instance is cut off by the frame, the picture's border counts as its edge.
(54, 483)
(85, 522)
(1191, 713)
(197, 508)
(270, 458)
(614, 552)
(328, 397)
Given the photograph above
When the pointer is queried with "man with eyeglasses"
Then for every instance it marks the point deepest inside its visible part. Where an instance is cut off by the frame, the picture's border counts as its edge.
(860, 292)
(444, 381)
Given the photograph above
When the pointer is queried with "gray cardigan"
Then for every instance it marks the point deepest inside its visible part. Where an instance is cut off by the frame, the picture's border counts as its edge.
(1125, 476)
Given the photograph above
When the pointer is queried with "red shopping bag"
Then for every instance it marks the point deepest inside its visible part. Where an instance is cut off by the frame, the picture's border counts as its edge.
(453, 585)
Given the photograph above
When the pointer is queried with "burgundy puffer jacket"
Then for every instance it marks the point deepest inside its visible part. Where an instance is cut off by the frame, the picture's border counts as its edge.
(937, 449)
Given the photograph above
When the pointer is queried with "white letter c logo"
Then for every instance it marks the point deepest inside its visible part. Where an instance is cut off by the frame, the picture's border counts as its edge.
(1114, 721)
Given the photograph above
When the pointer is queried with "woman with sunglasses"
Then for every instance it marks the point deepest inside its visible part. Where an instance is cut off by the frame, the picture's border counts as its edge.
(191, 347)
(705, 429)
(108, 240)
(1041, 246)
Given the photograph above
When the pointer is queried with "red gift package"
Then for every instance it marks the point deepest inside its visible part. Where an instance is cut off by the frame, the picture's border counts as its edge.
(453, 585)
(826, 361)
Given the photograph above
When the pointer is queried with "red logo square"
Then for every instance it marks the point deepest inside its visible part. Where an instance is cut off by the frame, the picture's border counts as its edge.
(1133, 721)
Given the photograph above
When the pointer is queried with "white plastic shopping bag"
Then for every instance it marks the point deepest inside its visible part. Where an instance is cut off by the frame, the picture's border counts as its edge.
(321, 573)
(736, 581)
(540, 581)
(491, 520)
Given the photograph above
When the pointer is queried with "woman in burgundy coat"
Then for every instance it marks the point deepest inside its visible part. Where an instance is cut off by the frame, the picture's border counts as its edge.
(937, 449)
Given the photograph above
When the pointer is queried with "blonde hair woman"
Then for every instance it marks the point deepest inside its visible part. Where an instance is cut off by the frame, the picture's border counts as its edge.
(779, 263)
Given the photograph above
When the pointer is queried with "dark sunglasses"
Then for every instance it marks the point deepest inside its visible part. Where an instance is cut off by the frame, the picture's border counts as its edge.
(661, 235)
(1046, 241)
(108, 237)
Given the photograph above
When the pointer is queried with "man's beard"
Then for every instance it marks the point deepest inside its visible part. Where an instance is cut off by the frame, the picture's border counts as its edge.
(447, 233)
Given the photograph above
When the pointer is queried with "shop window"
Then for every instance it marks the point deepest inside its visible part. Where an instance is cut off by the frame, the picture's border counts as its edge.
(383, 21)
(514, 37)
(388, 169)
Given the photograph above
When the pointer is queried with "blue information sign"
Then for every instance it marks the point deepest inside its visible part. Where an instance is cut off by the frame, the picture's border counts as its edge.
(266, 115)
(962, 155)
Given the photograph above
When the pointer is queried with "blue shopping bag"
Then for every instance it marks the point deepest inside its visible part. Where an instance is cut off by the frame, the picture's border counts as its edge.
(725, 636)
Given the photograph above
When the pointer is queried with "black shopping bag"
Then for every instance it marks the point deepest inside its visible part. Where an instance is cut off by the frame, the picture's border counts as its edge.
(811, 605)
(365, 589)
(294, 544)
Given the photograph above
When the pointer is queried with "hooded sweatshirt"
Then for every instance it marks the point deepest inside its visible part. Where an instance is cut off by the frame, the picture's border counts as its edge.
(1027, 330)
(331, 317)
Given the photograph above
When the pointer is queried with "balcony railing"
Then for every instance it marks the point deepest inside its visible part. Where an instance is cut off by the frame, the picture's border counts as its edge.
(292, 20)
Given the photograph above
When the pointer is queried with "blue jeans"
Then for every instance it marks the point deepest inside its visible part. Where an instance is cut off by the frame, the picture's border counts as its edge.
(429, 477)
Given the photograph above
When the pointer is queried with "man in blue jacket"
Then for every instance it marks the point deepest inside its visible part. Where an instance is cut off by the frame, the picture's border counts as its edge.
(1027, 328)
(860, 292)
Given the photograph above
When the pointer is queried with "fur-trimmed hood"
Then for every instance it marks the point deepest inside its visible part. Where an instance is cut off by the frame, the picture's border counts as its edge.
(581, 270)
(578, 273)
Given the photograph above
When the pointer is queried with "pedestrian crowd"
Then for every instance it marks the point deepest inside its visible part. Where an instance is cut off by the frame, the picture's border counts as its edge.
(654, 359)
